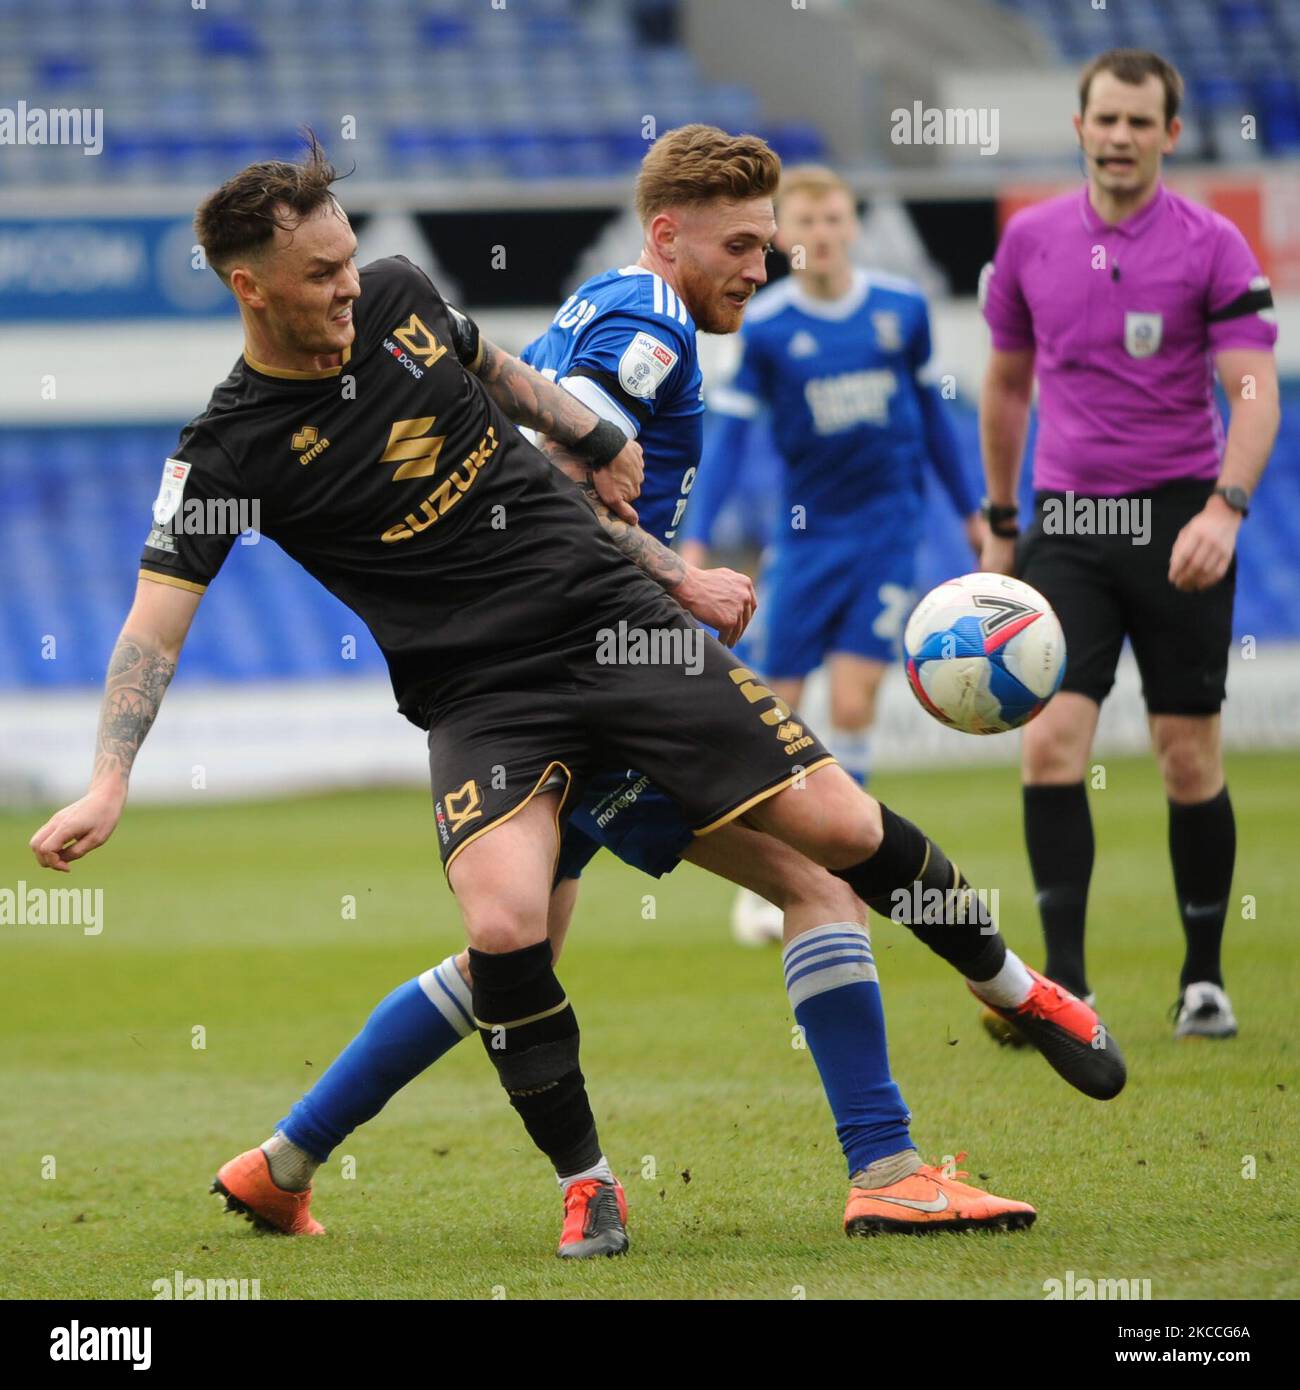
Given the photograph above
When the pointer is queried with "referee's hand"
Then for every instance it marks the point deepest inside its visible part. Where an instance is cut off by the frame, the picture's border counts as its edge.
(998, 555)
(1204, 548)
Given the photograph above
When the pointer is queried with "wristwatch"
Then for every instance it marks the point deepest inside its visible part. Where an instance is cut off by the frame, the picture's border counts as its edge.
(1236, 497)
(1001, 519)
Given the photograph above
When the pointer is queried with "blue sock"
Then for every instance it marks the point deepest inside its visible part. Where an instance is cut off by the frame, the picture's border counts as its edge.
(831, 979)
(851, 748)
(407, 1032)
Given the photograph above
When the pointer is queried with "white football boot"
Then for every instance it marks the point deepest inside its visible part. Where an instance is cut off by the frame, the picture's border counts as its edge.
(1204, 1011)
(754, 921)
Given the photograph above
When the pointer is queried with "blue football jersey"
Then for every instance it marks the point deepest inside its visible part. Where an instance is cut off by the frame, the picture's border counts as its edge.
(624, 344)
(842, 380)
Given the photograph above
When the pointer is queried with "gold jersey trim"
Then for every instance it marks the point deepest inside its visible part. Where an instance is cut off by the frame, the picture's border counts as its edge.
(780, 786)
(188, 585)
(286, 375)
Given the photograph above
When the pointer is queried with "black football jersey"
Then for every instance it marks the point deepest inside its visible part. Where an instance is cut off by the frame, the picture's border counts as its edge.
(400, 485)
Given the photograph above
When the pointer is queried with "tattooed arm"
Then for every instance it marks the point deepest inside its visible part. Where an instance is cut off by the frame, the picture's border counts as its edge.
(529, 398)
(142, 665)
(721, 598)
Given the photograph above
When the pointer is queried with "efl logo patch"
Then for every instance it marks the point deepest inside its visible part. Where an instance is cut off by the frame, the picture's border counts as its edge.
(1142, 334)
(644, 364)
(170, 492)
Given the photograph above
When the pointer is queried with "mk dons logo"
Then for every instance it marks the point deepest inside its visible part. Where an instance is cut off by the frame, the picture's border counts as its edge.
(417, 338)
(308, 444)
(464, 805)
(411, 445)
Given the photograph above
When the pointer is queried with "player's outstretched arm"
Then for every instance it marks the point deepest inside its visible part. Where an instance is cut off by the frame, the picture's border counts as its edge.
(531, 399)
(139, 671)
(722, 598)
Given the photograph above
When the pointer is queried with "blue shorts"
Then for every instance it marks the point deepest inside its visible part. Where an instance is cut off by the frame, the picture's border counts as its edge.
(828, 595)
(625, 813)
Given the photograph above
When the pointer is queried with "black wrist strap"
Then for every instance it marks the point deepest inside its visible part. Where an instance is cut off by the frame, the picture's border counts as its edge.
(602, 445)
(1001, 519)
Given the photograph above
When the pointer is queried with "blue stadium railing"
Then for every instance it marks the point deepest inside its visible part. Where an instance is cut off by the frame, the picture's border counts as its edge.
(76, 504)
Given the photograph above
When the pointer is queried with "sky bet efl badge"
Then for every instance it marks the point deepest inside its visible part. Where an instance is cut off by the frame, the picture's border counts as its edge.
(170, 492)
(1142, 334)
(644, 364)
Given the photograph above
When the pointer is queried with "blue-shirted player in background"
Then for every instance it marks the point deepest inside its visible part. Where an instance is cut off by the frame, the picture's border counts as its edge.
(841, 359)
(625, 343)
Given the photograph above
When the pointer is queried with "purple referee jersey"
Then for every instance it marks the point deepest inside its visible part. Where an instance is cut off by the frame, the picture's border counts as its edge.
(1125, 321)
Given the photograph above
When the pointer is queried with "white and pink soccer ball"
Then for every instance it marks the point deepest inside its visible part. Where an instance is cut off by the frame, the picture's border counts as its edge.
(984, 653)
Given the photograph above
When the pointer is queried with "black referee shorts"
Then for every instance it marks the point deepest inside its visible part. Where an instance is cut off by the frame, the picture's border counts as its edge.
(1108, 587)
(664, 697)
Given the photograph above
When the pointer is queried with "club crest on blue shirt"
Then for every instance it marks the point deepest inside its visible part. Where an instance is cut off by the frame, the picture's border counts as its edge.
(1142, 334)
(889, 330)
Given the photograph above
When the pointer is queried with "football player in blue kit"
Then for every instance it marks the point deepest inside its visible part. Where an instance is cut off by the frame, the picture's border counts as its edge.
(624, 344)
(841, 358)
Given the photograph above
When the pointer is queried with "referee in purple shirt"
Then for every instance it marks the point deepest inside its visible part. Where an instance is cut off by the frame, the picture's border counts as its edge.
(1121, 299)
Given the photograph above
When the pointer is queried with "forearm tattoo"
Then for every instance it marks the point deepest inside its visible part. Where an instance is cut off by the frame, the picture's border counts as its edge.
(138, 675)
(528, 398)
(649, 555)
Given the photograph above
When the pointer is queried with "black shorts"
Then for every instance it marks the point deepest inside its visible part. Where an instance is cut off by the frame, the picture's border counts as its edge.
(705, 728)
(1106, 587)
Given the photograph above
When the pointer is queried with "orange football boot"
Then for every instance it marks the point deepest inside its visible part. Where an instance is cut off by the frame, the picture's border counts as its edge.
(246, 1184)
(595, 1220)
(1069, 1034)
(930, 1201)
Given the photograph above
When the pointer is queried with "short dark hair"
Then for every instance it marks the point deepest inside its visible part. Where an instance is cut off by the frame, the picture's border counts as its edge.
(241, 217)
(1134, 66)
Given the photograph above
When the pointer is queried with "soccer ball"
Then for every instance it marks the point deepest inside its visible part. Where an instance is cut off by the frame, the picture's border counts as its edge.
(984, 653)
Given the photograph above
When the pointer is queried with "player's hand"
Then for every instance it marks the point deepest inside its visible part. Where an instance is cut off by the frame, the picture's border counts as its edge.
(620, 481)
(71, 833)
(1203, 550)
(721, 598)
(977, 534)
(998, 555)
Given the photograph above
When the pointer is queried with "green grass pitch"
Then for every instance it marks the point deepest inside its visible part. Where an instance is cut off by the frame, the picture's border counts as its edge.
(230, 919)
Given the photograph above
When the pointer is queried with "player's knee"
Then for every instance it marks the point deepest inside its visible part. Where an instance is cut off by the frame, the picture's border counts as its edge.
(502, 931)
(1190, 773)
(853, 711)
(1052, 755)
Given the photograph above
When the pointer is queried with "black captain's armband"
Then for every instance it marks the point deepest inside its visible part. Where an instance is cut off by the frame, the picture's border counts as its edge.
(466, 342)
(602, 446)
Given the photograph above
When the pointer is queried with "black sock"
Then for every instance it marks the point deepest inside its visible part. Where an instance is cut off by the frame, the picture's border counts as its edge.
(1203, 847)
(531, 1035)
(1058, 835)
(910, 880)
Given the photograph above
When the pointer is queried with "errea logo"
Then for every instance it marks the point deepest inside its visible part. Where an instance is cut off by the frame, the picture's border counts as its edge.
(308, 443)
